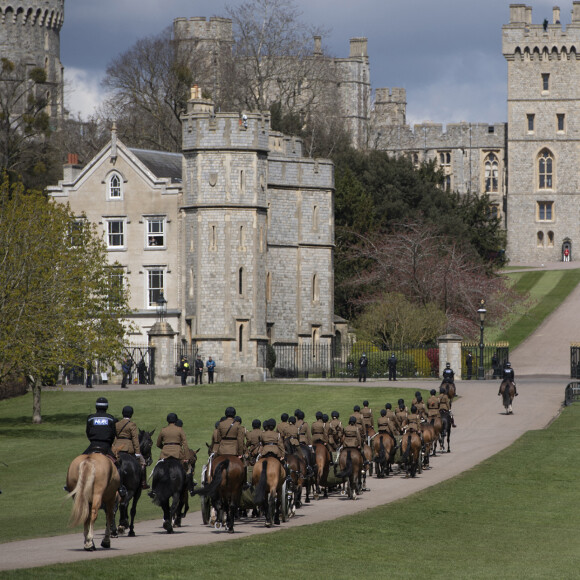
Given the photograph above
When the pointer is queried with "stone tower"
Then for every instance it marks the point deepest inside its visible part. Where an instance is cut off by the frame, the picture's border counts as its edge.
(225, 180)
(543, 202)
(30, 35)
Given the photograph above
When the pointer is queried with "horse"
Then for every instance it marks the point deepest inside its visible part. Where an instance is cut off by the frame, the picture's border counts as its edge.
(130, 474)
(445, 429)
(411, 453)
(384, 448)
(430, 440)
(507, 390)
(268, 479)
(191, 460)
(297, 473)
(450, 390)
(224, 491)
(168, 486)
(94, 481)
(308, 455)
(367, 464)
(322, 463)
(351, 462)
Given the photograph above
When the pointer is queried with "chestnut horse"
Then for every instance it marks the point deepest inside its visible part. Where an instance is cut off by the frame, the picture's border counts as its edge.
(351, 462)
(411, 453)
(508, 392)
(430, 440)
(268, 479)
(94, 481)
(322, 463)
(384, 447)
(225, 489)
(450, 390)
(296, 467)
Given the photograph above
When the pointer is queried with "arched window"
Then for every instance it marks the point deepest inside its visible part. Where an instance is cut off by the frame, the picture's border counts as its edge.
(551, 239)
(115, 182)
(268, 287)
(545, 169)
(315, 218)
(491, 174)
(241, 338)
(540, 242)
(315, 291)
(241, 281)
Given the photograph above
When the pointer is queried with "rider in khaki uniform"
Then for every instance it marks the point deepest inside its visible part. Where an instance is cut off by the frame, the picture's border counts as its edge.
(421, 407)
(127, 441)
(392, 417)
(358, 416)
(253, 441)
(367, 417)
(282, 427)
(432, 406)
(351, 434)
(334, 431)
(271, 441)
(444, 404)
(304, 435)
(230, 435)
(401, 413)
(318, 430)
(172, 439)
(292, 433)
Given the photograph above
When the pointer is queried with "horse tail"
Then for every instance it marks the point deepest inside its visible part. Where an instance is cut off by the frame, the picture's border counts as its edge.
(212, 488)
(382, 451)
(405, 455)
(83, 493)
(260, 494)
(347, 468)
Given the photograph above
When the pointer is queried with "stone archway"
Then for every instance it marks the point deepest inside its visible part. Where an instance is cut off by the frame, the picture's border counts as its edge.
(567, 245)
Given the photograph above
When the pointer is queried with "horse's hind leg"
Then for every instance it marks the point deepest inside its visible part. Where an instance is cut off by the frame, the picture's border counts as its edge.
(110, 517)
(167, 522)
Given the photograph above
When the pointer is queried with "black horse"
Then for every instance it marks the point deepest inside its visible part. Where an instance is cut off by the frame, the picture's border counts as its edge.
(169, 487)
(445, 430)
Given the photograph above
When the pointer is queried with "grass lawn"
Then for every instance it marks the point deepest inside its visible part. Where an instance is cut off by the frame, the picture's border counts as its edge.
(514, 516)
(37, 456)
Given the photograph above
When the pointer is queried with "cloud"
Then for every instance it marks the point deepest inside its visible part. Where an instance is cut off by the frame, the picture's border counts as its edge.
(83, 93)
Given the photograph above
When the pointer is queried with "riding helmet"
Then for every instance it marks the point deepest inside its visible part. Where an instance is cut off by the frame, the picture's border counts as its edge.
(365, 403)
(297, 412)
(508, 364)
(325, 418)
(433, 392)
(352, 420)
(335, 414)
(256, 424)
(388, 406)
(441, 389)
(292, 420)
(230, 412)
(413, 409)
(383, 412)
(356, 408)
(419, 398)
(447, 365)
(102, 404)
(238, 419)
(128, 411)
(300, 415)
(284, 417)
(318, 415)
(417, 393)
(179, 423)
(172, 418)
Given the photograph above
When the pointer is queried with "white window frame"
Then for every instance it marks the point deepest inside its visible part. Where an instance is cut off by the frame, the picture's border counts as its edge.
(117, 189)
(151, 236)
(152, 292)
(122, 233)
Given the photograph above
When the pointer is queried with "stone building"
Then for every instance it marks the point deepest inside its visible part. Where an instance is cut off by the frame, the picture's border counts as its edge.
(30, 36)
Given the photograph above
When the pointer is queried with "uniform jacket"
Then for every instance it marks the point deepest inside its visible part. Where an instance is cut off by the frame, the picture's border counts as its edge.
(282, 428)
(367, 418)
(433, 406)
(304, 434)
(101, 428)
(230, 437)
(171, 440)
(271, 442)
(318, 432)
(292, 434)
(335, 433)
(127, 437)
(351, 436)
(443, 402)
(253, 442)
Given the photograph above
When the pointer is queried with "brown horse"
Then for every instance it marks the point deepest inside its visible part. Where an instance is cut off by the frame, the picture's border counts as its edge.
(508, 391)
(322, 462)
(296, 466)
(224, 491)
(430, 440)
(450, 390)
(384, 451)
(351, 462)
(268, 479)
(94, 481)
(411, 453)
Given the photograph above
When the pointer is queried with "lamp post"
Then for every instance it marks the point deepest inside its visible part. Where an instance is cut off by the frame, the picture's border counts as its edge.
(482, 312)
(161, 307)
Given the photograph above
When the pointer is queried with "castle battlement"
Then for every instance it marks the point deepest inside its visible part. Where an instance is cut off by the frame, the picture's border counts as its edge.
(388, 95)
(45, 14)
(200, 28)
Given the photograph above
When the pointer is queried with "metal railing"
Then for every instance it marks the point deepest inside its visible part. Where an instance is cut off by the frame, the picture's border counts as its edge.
(495, 355)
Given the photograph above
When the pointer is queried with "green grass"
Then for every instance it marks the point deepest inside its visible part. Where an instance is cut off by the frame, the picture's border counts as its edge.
(37, 456)
(514, 516)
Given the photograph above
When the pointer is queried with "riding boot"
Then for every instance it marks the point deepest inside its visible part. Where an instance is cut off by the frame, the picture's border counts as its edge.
(122, 489)
(452, 420)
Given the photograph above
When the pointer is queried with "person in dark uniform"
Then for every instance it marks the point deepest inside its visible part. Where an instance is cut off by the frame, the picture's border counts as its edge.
(392, 363)
(198, 370)
(363, 364)
(509, 375)
(101, 429)
(469, 365)
(183, 370)
(448, 375)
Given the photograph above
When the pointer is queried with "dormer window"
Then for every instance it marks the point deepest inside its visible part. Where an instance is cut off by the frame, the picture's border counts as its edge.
(115, 189)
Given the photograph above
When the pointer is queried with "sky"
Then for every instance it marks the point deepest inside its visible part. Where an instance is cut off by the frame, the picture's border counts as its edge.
(445, 53)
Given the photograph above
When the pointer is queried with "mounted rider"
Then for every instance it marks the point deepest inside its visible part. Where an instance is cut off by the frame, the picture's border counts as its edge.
(392, 417)
(282, 427)
(230, 435)
(335, 431)
(101, 429)
(448, 375)
(172, 440)
(508, 374)
(401, 413)
(271, 442)
(432, 406)
(253, 442)
(304, 435)
(367, 417)
(351, 434)
(421, 407)
(291, 440)
(385, 425)
(444, 404)
(318, 430)
(414, 424)
(127, 441)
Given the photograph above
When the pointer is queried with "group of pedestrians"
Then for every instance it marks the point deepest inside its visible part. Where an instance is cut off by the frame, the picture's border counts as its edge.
(184, 369)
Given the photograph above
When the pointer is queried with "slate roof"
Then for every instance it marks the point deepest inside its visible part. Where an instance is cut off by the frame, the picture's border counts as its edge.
(161, 163)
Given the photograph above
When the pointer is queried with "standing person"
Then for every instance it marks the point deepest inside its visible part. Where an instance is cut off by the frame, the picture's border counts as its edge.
(89, 383)
(142, 372)
(183, 370)
(392, 362)
(363, 363)
(566, 255)
(494, 365)
(126, 369)
(210, 365)
(198, 370)
(469, 365)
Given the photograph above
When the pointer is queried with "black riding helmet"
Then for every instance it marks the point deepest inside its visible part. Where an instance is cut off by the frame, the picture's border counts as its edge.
(171, 418)
(413, 409)
(292, 420)
(417, 393)
(102, 404)
(284, 417)
(433, 391)
(365, 403)
(318, 414)
(325, 418)
(179, 423)
(388, 406)
(356, 408)
(442, 389)
(335, 414)
(230, 412)
(128, 411)
(383, 412)
(256, 424)
(300, 415)
(352, 420)
(297, 412)
(238, 419)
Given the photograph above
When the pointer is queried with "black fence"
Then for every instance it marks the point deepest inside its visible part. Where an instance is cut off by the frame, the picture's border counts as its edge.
(575, 361)
(495, 355)
(142, 361)
(343, 361)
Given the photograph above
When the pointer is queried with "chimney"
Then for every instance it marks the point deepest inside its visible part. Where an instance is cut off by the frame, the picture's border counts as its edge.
(317, 45)
(556, 15)
(71, 169)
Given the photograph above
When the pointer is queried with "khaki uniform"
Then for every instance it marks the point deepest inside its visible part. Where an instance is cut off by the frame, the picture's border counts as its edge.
(422, 410)
(443, 402)
(401, 417)
(214, 444)
(127, 437)
(413, 421)
(171, 440)
(351, 436)
(334, 434)
(318, 432)
(282, 428)
(253, 443)
(230, 437)
(304, 435)
(359, 422)
(384, 425)
(367, 419)
(292, 434)
(271, 442)
(392, 417)
(433, 407)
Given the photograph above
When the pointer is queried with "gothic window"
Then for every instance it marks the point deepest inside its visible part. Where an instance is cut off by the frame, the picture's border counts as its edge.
(531, 118)
(268, 287)
(242, 238)
(155, 285)
(213, 238)
(241, 281)
(445, 158)
(545, 170)
(551, 239)
(315, 289)
(315, 219)
(491, 173)
(540, 240)
(241, 338)
(545, 81)
(560, 122)
(116, 233)
(545, 211)
(447, 183)
(115, 183)
(155, 232)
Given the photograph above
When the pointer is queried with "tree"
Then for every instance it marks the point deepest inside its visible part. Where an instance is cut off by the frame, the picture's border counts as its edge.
(59, 301)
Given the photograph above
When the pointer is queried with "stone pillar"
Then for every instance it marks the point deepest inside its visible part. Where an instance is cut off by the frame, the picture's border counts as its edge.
(450, 352)
(161, 337)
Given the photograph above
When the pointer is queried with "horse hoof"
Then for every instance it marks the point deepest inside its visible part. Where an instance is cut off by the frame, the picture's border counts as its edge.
(131, 534)
(268, 524)
(115, 535)
(167, 526)
(90, 548)
(230, 530)
(106, 544)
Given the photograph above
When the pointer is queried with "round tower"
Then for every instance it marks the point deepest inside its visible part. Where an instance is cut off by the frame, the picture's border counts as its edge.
(30, 36)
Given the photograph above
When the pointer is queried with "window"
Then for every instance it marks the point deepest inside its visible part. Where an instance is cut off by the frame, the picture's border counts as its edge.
(116, 285)
(76, 233)
(268, 287)
(545, 170)
(560, 118)
(447, 183)
(155, 232)
(540, 240)
(155, 285)
(545, 81)
(116, 233)
(551, 239)
(315, 219)
(493, 211)
(115, 182)
(241, 281)
(545, 211)
(445, 158)
(531, 118)
(491, 173)
(315, 289)
(241, 338)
